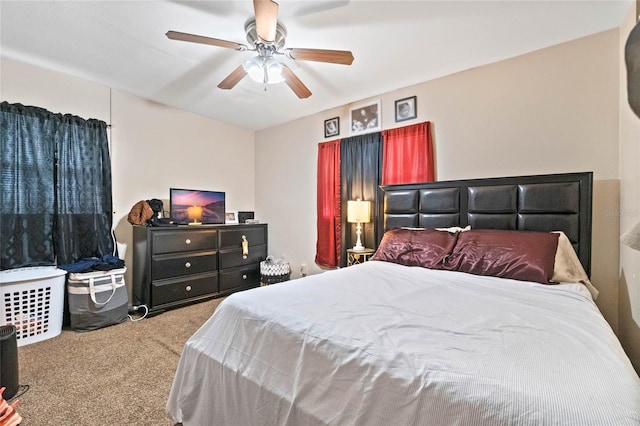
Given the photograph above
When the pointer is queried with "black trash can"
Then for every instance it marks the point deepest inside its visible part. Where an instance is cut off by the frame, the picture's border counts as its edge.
(8, 361)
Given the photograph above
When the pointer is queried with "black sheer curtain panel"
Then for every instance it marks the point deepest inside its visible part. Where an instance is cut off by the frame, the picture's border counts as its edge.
(55, 204)
(83, 210)
(27, 179)
(360, 175)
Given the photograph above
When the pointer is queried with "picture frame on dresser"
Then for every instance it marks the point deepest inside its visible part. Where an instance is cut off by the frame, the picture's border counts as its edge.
(243, 216)
(231, 217)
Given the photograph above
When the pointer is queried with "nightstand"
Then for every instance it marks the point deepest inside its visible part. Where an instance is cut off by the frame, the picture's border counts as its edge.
(355, 257)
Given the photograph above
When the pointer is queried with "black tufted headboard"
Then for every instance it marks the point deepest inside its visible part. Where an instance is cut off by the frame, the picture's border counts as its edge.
(556, 202)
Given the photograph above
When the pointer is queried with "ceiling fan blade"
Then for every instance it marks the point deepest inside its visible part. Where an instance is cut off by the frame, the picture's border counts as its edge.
(233, 78)
(343, 57)
(176, 35)
(266, 19)
(295, 83)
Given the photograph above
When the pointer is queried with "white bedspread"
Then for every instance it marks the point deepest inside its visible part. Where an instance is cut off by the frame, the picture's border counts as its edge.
(384, 344)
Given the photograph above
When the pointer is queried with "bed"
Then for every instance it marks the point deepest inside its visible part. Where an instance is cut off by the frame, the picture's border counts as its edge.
(450, 323)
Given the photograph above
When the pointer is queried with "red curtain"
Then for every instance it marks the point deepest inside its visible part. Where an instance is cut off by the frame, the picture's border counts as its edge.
(408, 154)
(328, 204)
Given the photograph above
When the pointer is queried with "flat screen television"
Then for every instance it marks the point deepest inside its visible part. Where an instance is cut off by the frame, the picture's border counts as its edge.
(194, 206)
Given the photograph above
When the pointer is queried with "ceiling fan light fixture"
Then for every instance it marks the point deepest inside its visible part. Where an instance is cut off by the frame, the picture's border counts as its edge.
(273, 71)
(264, 70)
(253, 67)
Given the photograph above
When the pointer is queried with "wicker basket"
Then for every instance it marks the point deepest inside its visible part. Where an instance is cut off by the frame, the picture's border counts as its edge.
(274, 271)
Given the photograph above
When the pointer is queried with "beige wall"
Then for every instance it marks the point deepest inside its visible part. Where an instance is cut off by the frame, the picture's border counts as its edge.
(153, 147)
(551, 111)
(21, 83)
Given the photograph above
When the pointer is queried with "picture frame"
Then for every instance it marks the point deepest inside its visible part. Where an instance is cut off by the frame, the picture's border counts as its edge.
(406, 108)
(332, 127)
(231, 217)
(243, 216)
(366, 118)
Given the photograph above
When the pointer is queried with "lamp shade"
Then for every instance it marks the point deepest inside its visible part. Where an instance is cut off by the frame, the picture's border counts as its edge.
(358, 211)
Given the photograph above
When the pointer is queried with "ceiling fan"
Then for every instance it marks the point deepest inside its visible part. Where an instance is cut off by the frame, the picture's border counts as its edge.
(267, 37)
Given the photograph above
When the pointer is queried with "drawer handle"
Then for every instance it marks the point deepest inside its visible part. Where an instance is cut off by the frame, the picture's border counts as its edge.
(188, 288)
(244, 276)
(187, 265)
(187, 241)
(245, 247)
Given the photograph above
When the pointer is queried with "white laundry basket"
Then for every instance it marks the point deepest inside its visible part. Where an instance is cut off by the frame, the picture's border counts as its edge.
(32, 299)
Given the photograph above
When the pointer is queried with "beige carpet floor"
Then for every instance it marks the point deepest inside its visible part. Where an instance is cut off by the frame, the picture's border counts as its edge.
(118, 375)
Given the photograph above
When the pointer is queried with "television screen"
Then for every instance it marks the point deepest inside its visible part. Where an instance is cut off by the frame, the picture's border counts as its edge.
(193, 206)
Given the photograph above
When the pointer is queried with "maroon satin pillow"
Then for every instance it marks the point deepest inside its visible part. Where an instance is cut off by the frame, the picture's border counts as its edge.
(519, 255)
(416, 247)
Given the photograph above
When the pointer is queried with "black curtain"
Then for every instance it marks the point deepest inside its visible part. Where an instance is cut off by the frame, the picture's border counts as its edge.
(55, 203)
(27, 181)
(83, 190)
(360, 176)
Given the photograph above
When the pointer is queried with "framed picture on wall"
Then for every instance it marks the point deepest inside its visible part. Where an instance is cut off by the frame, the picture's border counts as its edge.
(366, 118)
(406, 109)
(332, 127)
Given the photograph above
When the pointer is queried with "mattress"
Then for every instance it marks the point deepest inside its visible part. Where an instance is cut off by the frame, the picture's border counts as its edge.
(385, 344)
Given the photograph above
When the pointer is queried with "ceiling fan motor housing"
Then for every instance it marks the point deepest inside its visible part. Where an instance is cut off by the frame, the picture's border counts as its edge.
(254, 40)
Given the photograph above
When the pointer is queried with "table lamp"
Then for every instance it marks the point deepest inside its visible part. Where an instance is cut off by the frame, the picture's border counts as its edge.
(358, 212)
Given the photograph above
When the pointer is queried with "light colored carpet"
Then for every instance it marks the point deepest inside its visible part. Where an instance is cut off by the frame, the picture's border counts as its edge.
(116, 375)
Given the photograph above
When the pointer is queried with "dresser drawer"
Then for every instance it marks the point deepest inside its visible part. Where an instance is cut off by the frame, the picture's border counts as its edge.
(175, 241)
(232, 237)
(176, 265)
(230, 258)
(175, 290)
(240, 277)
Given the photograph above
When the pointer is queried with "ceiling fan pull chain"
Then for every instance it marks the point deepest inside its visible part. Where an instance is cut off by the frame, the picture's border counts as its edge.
(266, 75)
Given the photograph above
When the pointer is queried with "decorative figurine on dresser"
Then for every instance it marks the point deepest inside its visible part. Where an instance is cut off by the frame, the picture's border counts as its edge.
(175, 266)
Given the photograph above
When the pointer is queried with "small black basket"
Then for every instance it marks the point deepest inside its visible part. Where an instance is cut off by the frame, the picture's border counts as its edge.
(273, 279)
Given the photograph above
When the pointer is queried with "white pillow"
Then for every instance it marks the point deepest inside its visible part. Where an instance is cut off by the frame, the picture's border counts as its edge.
(455, 229)
(567, 267)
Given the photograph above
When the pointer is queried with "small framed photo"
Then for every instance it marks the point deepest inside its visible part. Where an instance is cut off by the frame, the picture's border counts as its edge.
(231, 217)
(332, 127)
(366, 118)
(406, 109)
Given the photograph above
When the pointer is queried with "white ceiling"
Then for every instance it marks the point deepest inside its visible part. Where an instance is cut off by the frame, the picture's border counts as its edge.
(122, 45)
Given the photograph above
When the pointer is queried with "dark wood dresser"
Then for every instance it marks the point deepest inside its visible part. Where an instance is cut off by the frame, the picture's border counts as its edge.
(175, 266)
